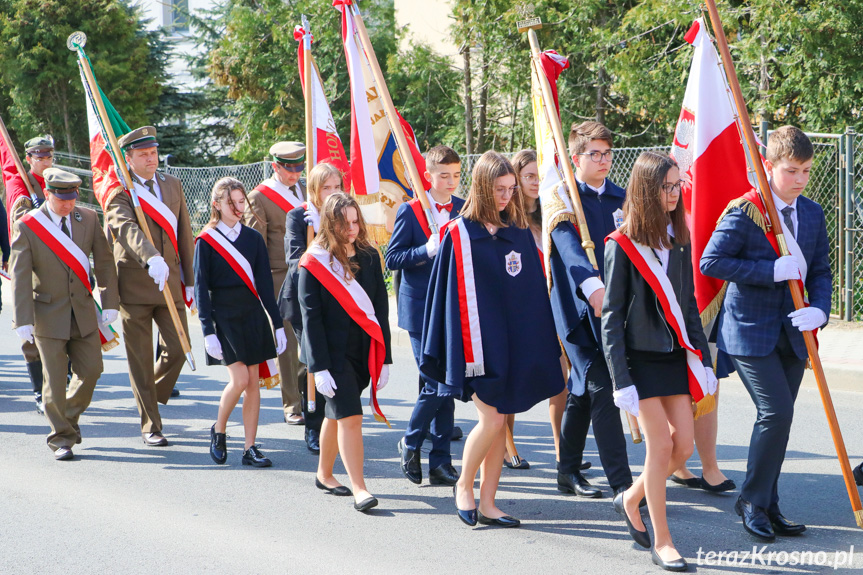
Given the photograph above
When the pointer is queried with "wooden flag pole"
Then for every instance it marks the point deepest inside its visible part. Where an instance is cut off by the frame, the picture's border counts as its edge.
(511, 450)
(754, 160)
(392, 116)
(76, 43)
(18, 164)
(311, 403)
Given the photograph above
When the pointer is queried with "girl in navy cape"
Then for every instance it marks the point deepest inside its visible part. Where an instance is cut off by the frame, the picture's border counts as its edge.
(489, 333)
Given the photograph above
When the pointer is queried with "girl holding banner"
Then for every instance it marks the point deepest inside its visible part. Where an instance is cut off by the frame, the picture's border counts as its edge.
(346, 337)
(655, 347)
(238, 313)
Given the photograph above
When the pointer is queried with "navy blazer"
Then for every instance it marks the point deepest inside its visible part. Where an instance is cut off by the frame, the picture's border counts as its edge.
(755, 307)
(406, 251)
(296, 236)
(577, 327)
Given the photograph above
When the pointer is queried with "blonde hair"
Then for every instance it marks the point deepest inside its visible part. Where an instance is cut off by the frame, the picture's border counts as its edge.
(481, 206)
(318, 177)
(333, 232)
(221, 190)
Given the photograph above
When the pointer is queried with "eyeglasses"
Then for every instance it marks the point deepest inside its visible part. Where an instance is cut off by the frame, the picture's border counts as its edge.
(597, 156)
(530, 178)
(504, 191)
(670, 189)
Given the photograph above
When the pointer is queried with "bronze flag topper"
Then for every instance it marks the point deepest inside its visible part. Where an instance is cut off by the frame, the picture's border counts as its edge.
(528, 20)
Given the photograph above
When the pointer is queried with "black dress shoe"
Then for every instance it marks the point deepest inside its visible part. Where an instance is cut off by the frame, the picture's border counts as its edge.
(782, 526)
(858, 474)
(691, 482)
(155, 439)
(410, 463)
(505, 521)
(642, 503)
(576, 483)
(673, 565)
(443, 475)
(218, 447)
(640, 537)
(313, 441)
(366, 504)
(175, 392)
(755, 520)
(253, 456)
(339, 491)
(468, 517)
(521, 464)
(585, 465)
(457, 433)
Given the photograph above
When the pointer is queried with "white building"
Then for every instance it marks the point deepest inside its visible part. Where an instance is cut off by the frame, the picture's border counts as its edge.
(173, 16)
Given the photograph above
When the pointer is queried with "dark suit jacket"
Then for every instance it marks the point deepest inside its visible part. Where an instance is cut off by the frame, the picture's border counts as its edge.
(326, 323)
(755, 307)
(296, 242)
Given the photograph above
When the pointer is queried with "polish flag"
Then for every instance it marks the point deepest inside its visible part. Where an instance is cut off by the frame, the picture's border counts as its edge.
(708, 148)
(328, 146)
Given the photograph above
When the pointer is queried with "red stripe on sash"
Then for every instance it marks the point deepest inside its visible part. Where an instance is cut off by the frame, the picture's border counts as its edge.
(417, 207)
(160, 220)
(59, 249)
(462, 292)
(275, 197)
(231, 261)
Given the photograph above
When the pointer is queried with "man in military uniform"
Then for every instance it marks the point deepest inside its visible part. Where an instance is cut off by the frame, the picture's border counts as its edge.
(54, 306)
(144, 268)
(269, 204)
(40, 155)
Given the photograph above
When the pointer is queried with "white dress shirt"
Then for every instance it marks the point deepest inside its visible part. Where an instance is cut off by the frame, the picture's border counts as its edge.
(780, 203)
(231, 233)
(56, 219)
(663, 253)
(590, 285)
(157, 191)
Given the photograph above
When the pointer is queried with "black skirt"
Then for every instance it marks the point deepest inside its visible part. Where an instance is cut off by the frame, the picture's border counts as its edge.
(657, 374)
(351, 380)
(242, 327)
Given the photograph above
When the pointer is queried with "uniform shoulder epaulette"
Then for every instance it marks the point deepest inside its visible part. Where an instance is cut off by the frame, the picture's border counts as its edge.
(748, 208)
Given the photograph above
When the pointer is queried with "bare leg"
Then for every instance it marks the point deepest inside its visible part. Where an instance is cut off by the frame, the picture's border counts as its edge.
(510, 423)
(329, 450)
(479, 441)
(706, 428)
(556, 407)
(351, 447)
(238, 381)
(490, 477)
(251, 407)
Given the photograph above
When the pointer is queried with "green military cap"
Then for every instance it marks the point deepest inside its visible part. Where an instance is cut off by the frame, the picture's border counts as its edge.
(144, 137)
(288, 153)
(40, 146)
(61, 183)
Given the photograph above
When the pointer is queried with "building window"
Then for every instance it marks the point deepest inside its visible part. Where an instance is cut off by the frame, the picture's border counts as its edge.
(177, 16)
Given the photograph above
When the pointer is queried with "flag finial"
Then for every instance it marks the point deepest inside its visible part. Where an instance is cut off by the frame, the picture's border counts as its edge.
(76, 40)
(529, 21)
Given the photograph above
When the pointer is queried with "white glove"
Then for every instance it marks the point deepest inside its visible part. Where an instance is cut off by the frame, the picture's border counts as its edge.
(281, 341)
(213, 347)
(807, 318)
(384, 379)
(312, 218)
(432, 245)
(158, 270)
(25, 332)
(190, 296)
(712, 382)
(109, 316)
(627, 399)
(325, 383)
(786, 268)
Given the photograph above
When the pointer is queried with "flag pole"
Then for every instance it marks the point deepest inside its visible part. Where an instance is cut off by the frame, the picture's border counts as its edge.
(392, 116)
(75, 43)
(754, 160)
(311, 157)
(18, 165)
(531, 25)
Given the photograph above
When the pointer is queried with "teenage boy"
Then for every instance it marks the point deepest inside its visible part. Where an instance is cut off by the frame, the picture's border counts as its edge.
(758, 326)
(412, 248)
(576, 297)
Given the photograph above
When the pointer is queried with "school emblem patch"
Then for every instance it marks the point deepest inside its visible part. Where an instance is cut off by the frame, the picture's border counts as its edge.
(618, 218)
(77, 216)
(513, 263)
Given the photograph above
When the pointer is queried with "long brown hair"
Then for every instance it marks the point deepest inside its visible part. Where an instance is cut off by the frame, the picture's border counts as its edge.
(480, 206)
(318, 177)
(333, 236)
(221, 190)
(645, 219)
(519, 162)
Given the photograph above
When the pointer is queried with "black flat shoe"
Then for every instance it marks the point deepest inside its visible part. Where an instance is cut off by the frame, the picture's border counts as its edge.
(410, 463)
(253, 456)
(366, 504)
(505, 521)
(691, 482)
(340, 490)
(858, 474)
(576, 483)
(640, 537)
(783, 526)
(674, 565)
(457, 434)
(585, 465)
(727, 485)
(218, 449)
(468, 517)
(313, 441)
(522, 463)
(755, 520)
(444, 474)
(642, 503)
(175, 392)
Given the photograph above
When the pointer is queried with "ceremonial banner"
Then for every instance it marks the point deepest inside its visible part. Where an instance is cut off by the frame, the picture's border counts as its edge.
(379, 179)
(16, 189)
(707, 147)
(327, 144)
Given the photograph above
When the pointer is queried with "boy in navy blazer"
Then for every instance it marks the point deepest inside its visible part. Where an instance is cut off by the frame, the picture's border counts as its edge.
(412, 249)
(758, 326)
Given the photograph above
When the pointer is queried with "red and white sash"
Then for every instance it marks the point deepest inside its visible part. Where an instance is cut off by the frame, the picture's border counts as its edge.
(468, 310)
(355, 301)
(644, 260)
(417, 208)
(279, 194)
(268, 372)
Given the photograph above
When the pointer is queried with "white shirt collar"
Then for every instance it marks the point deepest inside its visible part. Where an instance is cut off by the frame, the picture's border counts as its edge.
(230, 233)
(598, 190)
(779, 202)
(56, 218)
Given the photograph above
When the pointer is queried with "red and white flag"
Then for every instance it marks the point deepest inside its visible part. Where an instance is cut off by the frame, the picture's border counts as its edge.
(708, 148)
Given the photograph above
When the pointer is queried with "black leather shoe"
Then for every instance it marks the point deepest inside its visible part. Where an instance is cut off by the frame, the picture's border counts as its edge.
(576, 483)
(457, 433)
(505, 521)
(366, 504)
(468, 517)
(218, 447)
(782, 526)
(443, 475)
(585, 465)
(253, 456)
(755, 520)
(858, 474)
(692, 482)
(339, 491)
(640, 537)
(642, 503)
(521, 464)
(175, 392)
(673, 565)
(313, 441)
(410, 463)
(155, 439)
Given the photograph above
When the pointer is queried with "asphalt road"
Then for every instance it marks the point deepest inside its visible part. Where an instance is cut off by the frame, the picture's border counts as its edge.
(121, 507)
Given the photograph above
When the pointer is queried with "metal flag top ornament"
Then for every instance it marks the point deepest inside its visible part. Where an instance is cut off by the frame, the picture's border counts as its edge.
(118, 172)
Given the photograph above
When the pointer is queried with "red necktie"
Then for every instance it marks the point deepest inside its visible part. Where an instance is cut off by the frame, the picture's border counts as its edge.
(442, 207)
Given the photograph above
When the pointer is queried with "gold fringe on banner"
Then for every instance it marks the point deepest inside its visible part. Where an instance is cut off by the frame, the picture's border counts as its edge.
(270, 382)
(367, 199)
(109, 345)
